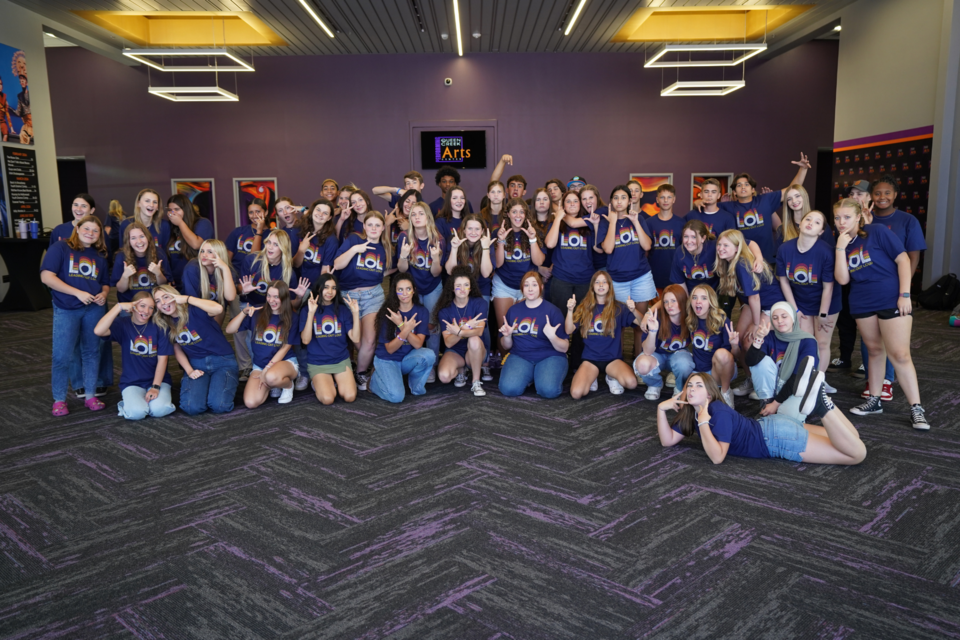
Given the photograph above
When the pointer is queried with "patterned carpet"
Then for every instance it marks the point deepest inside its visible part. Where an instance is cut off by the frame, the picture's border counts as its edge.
(459, 517)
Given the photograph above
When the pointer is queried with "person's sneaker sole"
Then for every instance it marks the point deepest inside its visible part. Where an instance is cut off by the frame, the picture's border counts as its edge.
(812, 393)
(802, 381)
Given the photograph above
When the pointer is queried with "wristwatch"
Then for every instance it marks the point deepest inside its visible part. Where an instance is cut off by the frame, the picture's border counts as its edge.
(155, 386)
(823, 315)
(904, 295)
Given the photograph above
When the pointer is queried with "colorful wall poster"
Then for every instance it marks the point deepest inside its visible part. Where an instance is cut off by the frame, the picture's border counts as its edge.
(696, 179)
(16, 121)
(246, 190)
(650, 182)
(200, 192)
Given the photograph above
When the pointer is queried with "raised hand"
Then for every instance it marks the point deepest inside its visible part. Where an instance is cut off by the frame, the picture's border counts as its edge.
(313, 303)
(732, 334)
(672, 404)
(843, 240)
(404, 250)
(652, 321)
(485, 240)
(390, 216)
(572, 303)
(345, 212)
(507, 330)
(550, 330)
(247, 285)
(302, 287)
(352, 304)
(436, 252)
(451, 328)
(156, 268)
(594, 219)
(411, 323)
(129, 269)
(474, 321)
(126, 307)
(455, 241)
(507, 159)
(631, 305)
(305, 243)
(803, 162)
(632, 215)
(394, 317)
(175, 217)
(763, 328)
(360, 248)
(611, 216)
(503, 231)
(218, 263)
(529, 230)
(249, 311)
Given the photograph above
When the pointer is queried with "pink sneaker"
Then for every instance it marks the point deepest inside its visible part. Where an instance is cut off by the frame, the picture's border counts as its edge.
(60, 408)
(94, 404)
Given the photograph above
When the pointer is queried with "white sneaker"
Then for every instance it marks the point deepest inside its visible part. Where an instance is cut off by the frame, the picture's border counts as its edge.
(671, 380)
(744, 389)
(286, 395)
(677, 391)
(461, 380)
(728, 398)
(594, 386)
(828, 387)
(275, 392)
(486, 376)
(432, 377)
(477, 389)
(653, 393)
(302, 382)
(615, 387)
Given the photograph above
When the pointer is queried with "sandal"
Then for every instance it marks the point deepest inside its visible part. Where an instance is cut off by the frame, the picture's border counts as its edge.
(94, 404)
(60, 408)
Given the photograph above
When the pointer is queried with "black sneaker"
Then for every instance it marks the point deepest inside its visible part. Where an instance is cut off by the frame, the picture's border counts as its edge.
(826, 402)
(838, 364)
(80, 393)
(870, 407)
(917, 419)
(100, 392)
(245, 375)
(860, 373)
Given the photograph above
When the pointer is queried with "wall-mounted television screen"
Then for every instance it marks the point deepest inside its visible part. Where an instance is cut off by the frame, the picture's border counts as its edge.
(457, 149)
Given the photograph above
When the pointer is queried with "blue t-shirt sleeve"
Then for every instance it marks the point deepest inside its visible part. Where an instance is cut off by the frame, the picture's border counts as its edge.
(782, 260)
(770, 201)
(721, 426)
(887, 240)
(191, 279)
(329, 251)
(745, 279)
(117, 271)
(676, 270)
(913, 240)
(247, 324)
(423, 316)
(232, 240)
(165, 264)
(808, 347)
(826, 271)
(164, 346)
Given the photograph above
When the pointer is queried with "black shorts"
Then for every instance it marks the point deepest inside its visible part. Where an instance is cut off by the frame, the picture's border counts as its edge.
(601, 365)
(886, 314)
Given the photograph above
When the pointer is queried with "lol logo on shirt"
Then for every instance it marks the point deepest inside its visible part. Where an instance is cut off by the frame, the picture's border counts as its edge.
(627, 236)
(270, 336)
(859, 259)
(313, 255)
(85, 267)
(142, 346)
(213, 291)
(528, 327)
(142, 279)
(701, 340)
(749, 219)
(519, 254)
(326, 327)
(802, 274)
(698, 272)
(596, 328)
(779, 357)
(188, 336)
(370, 261)
(664, 239)
(176, 247)
(675, 343)
(420, 259)
(573, 239)
(244, 245)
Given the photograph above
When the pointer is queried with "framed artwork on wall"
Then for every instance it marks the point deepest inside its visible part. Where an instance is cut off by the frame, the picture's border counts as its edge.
(650, 182)
(696, 179)
(16, 116)
(200, 193)
(246, 190)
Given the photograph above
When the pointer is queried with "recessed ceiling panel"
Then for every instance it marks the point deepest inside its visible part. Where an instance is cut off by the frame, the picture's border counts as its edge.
(186, 28)
(706, 24)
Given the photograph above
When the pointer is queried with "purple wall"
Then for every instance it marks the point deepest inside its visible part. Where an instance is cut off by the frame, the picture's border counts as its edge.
(288, 125)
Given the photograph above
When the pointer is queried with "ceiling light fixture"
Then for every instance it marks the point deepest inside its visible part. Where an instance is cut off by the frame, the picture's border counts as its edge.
(749, 50)
(194, 94)
(316, 18)
(703, 88)
(456, 18)
(144, 55)
(573, 20)
(837, 28)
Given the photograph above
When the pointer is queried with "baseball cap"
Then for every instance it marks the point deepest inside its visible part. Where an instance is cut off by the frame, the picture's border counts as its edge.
(861, 185)
(576, 181)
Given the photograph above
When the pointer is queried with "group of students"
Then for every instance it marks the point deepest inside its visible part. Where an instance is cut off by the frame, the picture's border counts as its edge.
(561, 275)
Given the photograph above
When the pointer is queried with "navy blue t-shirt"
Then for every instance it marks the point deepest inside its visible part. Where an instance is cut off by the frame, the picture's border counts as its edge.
(905, 227)
(330, 328)
(807, 272)
(258, 296)
(459, 317)
(142, 280)
(420, 261)
(871, 262)
(776, 348)
(744, 435)
(190, 281)
(628, 260)
(706, 344)
(85, 270)
(445, 227)
(716, 222)
(140, 346)
(666, 237)
(770, 293)
(516, 259)
(673, 343)
(573, 255)
(755, 220)
(529, 341)
(240, 243)
(203, 230)
(202, 336)
(365, 269)
(697, 269)
(61, 231)
(599, 257)
(485, 283)
(437, 204)
(161, 237)
(319, 256)
(598, 346)
(422, 329)
(265, 345)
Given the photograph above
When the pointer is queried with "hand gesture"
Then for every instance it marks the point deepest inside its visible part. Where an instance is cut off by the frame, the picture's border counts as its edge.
(152, 393)
(452, 329)
(305, 243)
(652, 321)
(360, 248)
(550, 330)
(868, 214)
(507, 159)
(763, 328)
(352, 304)
(247, 285)
(529, 230)
(218, 263)
(249, 311)
(302, 287)
(345, 212)
(631, 305)
(673, 404)
(390, 217)
(394, 317)
(256, 221)
(404, 250)
(175, 217)
(455, 241)
(436, 252)
(313, 303)
(611, 216)
(843, 240)
(411, 323)
(126, 307)
(502, 233)
(129, 269)
(572, 303)
(196, 373)
(156, 268)
(732, 334)
(485, 240)
(507, 330)
(764, 190)
(726, 197)
(100, 299)
(473, 322)
(803, 162)
(632, 215)
(758, 264)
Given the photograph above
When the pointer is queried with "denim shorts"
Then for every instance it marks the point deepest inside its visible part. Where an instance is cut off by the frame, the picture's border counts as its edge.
(639, 289)
(500, 290)
(785, 437)
(293, 361)
(370, 299)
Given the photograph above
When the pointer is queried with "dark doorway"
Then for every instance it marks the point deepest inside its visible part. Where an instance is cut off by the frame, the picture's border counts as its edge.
(72, 175)
(824, 184)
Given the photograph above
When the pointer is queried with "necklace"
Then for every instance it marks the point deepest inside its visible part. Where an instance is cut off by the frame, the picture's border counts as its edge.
(139, 333)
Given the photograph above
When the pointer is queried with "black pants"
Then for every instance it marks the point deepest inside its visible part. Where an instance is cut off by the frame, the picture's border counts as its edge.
(560, 292)
(846, 327)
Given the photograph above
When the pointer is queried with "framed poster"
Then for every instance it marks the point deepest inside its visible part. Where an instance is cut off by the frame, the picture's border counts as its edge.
(246, 190)
(200, 193)
(16, 120)
(650, 182)
(696, 179)
(20, 172)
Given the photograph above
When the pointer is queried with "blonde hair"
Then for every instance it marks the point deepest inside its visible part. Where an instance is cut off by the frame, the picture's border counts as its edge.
(221, 250)
(790, 230)
(384, 239)
(155, 221)
(116, 210)
(726, 270)
(163, 321)
(286, 258)
(715, 316)
(852, 203)
(433, 236)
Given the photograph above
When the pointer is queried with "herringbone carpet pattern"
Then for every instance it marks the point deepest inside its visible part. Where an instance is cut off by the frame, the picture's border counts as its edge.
(451, 516)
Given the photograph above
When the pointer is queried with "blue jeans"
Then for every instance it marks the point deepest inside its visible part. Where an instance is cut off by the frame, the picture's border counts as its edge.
(214, 390)
(387, 380)
(547, 376)
(767, 383)
(104, 371)
(785, 436)
(429, 300)
(679, 363)
(135, 407)
(889, 374)
(73, 327)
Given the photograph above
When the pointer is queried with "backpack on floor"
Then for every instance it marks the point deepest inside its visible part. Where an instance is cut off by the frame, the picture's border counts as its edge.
(943, 295)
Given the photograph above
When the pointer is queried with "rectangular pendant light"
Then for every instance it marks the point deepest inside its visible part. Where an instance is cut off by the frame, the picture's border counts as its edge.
(749, 50)
(194, 94)
(144, 56)
(703, 88)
